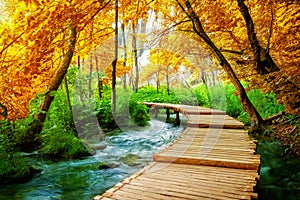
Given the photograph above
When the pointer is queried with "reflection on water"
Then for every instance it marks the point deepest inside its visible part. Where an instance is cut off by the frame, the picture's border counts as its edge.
(81, 179)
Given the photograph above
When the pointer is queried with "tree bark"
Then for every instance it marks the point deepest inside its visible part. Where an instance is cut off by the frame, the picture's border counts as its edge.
(114, 63)
(157, 82)
(59, 76)
(135, 58)
(168, 82)
(125, 54)
(90, 78)
(99, 82)
(30, 140)
(264, 61)
(256, 119)
(78, 62)
(68, 95)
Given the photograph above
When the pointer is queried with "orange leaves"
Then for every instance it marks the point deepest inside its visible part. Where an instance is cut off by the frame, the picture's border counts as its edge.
(32, 39)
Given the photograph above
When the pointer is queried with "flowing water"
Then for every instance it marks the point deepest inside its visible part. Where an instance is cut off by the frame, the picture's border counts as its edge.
(81, 179)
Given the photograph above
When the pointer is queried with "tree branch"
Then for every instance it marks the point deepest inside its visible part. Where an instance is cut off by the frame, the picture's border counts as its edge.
(94, 15)
(271, 27)
(232, 51)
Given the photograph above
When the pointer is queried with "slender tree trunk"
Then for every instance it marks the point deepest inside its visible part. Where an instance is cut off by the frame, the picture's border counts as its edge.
(157, 82)
(99, 82)
(264, 61)
(114, 63)
(68, 95)
(78, 62)
(90, 78)
(135, 58)
(203, 78)
(56, 82)
(168, 82)
(256, 119)
(125, 54)
(213, 78)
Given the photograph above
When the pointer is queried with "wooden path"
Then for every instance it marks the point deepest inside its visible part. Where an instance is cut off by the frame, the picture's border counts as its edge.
(213, 159)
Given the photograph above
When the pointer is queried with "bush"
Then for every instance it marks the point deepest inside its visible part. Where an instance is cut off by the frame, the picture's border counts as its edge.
(265, 103)
(202, 95)
(62, 144)
(139, 113)
(13, 168)
(104, 115)
(59, 136)
(233, 106)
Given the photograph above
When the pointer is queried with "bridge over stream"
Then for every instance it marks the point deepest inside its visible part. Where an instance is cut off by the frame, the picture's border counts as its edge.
(214, 158)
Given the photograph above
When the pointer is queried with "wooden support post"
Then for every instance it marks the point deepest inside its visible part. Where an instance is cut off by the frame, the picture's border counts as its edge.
(156, 110)
(177, 120)
(168, 115)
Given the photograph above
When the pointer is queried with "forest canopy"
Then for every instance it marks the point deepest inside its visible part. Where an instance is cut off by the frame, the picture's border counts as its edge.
(40, 39)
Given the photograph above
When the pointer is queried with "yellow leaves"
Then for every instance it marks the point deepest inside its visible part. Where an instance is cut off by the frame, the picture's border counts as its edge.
(168, 59)
(120, 69)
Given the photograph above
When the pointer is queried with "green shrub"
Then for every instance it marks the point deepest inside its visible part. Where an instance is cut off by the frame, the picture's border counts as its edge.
(233, 106)
(12, 167)
(265, 103)
(139, 113)
(104, 115)
(62, 144)
(59, 136)
(217, 97)
(202, 95)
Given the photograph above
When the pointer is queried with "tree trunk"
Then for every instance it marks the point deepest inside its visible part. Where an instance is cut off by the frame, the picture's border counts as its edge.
(125, 54)
(157, 82)
(256, 119)
(114, 63)
(90, 78)
(40, 117)
(167, 79)
(68, 95)
(99, 82)
(135, 58)
(264, 61)
(78, 62)
(203, 78)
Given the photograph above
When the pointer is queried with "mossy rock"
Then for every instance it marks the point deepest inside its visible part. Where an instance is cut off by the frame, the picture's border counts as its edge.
(130, 159)
(20, 176)
(106, 165)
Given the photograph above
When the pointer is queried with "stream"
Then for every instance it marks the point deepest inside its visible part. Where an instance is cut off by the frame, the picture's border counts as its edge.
(279, 174)
(81, 179)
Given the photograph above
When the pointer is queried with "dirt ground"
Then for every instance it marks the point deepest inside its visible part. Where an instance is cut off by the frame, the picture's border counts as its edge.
(286, 130)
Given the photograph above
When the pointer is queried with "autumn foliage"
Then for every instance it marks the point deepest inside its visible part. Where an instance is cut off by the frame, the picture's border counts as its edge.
(34, 33)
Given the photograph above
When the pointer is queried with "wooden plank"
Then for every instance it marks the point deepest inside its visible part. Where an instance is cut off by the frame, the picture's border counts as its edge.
(214, 162)
(158, 184)
(209, 162)
(181, 192)
(206, 156)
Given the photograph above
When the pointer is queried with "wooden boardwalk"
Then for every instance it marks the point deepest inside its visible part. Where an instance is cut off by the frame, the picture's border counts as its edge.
(212, 159)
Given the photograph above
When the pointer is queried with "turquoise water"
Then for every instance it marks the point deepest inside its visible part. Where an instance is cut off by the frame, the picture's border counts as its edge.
(280, 175)
(81, 179)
